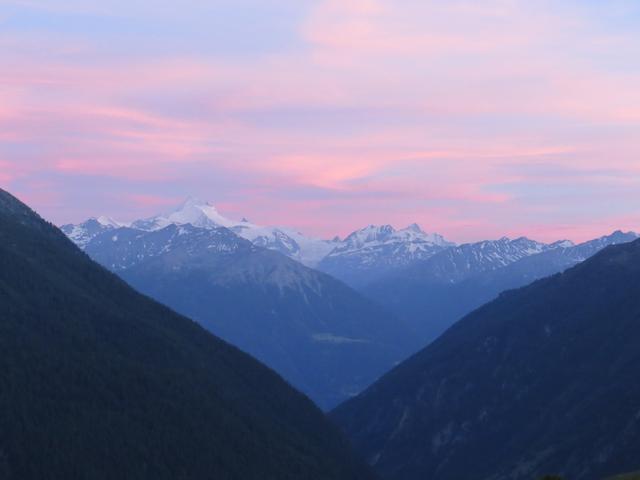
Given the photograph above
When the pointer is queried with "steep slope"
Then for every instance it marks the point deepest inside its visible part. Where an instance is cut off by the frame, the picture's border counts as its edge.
(376, 251)
(437, 303)
(420, 294)
(98, 381)
(323, 337)
(543, 379)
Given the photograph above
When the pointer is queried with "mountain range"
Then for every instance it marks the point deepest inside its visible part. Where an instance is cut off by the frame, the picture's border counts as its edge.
(433, 294)
(306, 250)
(98, 381)
(541, 380)
(248, 283)
(325, 338)
(376, 251)
(371, 249)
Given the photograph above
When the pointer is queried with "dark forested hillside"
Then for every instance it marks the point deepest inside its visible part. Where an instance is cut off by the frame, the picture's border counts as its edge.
(543, 379)
(100, 382)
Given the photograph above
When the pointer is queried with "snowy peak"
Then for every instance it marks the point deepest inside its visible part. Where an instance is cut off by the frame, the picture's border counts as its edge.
(373, 236)
(413, 233)
(504, 250)
(562, 244)
(525, 246)
(109, 222)
(369, 234)
(192, 211)
(83, 233)
(414, 227)
(376, 250)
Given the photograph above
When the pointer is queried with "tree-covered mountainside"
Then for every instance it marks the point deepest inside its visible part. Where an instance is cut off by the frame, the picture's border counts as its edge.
(543, 379)
(626, 476)
(100, 382)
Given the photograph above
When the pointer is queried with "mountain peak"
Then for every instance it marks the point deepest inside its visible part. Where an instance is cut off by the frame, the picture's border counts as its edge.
(192, 201)
(414, 227)
(562, 244)
(10, 204)
(370, 233)
(192, 211)
(108, 222)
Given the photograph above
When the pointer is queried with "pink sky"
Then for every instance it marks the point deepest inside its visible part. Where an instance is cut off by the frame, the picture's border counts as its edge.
(474, 119)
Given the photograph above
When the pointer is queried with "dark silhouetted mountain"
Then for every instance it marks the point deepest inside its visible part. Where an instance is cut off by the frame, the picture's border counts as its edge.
(543, 379)
(376, 251)
(100, 382)
(323, 337)
(433, 295)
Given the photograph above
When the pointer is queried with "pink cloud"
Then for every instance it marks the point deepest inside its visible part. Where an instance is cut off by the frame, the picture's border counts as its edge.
(154, 200)
(445, 93)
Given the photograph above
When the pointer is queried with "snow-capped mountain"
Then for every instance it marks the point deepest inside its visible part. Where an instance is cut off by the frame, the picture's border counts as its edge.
(297, 320)
(370, 251)
(456, 264)
(191, 211)
(374, 251)
(83, 233)
(308, 251)
(123, 248)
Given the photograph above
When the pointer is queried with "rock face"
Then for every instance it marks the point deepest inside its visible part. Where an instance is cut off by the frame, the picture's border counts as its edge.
(98, 381)
(541, 380)
(432, 295)
(323, 337)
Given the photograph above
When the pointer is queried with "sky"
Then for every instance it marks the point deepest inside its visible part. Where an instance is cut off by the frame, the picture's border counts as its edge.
(475, 118)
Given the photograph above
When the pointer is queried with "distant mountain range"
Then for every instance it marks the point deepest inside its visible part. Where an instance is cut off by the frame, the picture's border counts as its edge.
(372, 249)
(100, 382)
(431, 295)
(323, 337)
(226, 274)
(374, 252)
(541, 380)
(306, 250)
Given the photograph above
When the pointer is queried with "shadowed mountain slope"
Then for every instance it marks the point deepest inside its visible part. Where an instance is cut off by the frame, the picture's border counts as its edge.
(98, 381)
(543, 379)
